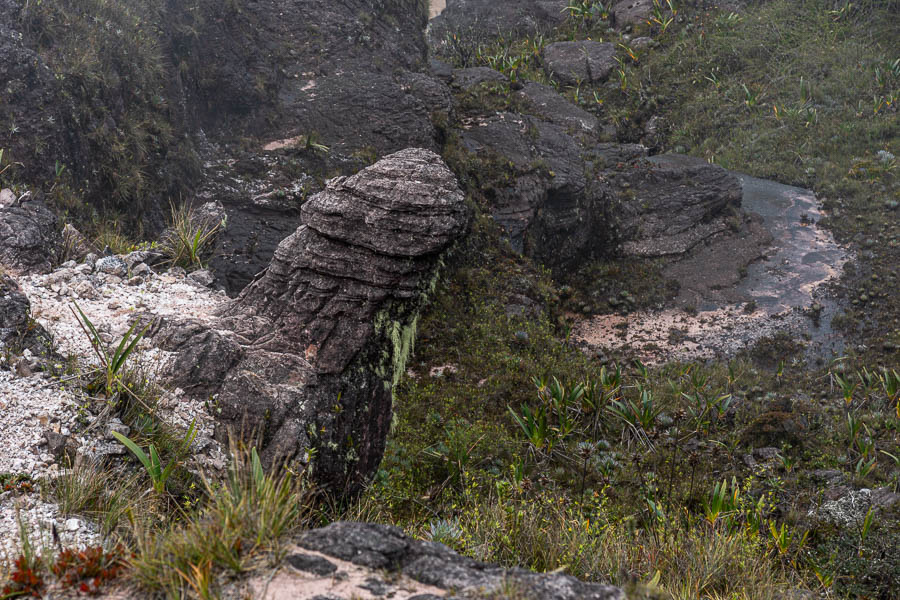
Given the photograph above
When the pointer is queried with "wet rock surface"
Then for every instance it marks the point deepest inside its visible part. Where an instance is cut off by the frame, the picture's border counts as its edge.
(360, 560)
(306, 357)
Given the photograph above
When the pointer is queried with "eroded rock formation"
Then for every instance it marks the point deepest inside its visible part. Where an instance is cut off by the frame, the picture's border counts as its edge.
(29, 235)
(380, 560)
(307, 356)
(18, 332)
(670, 203)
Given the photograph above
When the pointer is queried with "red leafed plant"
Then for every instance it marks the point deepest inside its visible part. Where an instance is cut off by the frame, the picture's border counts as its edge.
(89, 569)
(24, 580)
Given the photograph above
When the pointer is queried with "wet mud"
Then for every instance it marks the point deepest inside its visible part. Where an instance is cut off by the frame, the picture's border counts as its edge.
(768, 275)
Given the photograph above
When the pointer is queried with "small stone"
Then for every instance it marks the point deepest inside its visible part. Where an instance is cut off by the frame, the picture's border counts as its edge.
(141, 269)
(62, 447)
(202, 277)
(7, 197)
(73, 524)
(135, 281)
(311, 564)
(111, 265)
(118, 427)
(84, 289)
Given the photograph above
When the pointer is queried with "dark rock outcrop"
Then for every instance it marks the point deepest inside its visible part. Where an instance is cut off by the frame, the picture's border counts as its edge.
(545, 102)
(671, 202)
(321, 88)
(224, 86)
(564, 199)
(18, 331)
(382, 547)
(30, 238)
(541, 196)
(582, 62)
(29, 106)
(306, 357)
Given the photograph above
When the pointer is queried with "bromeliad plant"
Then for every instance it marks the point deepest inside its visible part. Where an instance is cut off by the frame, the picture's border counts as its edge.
(722, 502)
(640, 416)
(158, 473)
(588, 12)
(112, 362)
(191, 239)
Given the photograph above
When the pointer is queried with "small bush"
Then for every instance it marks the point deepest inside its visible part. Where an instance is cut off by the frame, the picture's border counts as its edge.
(191, 238)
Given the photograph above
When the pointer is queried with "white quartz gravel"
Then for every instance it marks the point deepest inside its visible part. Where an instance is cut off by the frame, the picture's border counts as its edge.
(31, 403)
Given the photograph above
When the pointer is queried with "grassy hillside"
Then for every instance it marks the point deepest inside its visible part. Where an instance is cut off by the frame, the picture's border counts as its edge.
(648, 477)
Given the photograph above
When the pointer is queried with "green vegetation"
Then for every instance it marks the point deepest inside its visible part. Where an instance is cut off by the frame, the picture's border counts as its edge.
(233, 526)
(190, 239)
(114, 83)
(245, 521)
(112, 362)
(158, 473)
(641, 475)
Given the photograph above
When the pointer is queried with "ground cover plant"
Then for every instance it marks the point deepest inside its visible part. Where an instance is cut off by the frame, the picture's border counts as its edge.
(721, 458)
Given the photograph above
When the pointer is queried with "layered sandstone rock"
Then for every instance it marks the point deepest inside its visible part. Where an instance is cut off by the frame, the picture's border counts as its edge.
(306, 357)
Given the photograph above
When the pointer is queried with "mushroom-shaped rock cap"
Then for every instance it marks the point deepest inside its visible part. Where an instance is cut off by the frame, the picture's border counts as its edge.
(407, 204)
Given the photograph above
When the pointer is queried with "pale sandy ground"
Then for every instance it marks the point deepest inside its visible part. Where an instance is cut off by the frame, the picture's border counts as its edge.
(436, 7)
(31, 403)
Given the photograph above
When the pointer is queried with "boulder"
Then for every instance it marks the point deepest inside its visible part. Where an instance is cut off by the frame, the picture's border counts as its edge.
(30, 238)
(381, 555)
(537, 189)
(632, 12)
(582, 62)
(17, 330)
(670, 203)
(306, 357)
